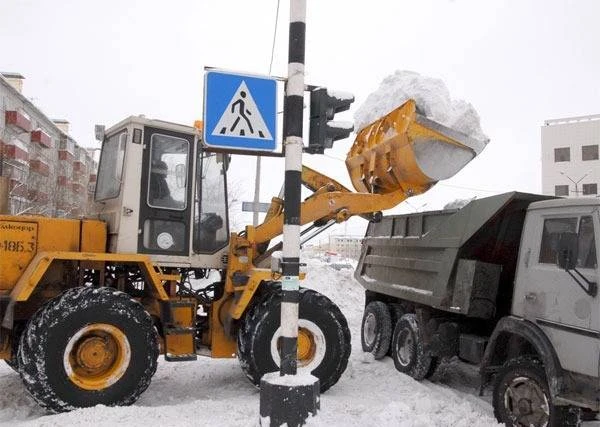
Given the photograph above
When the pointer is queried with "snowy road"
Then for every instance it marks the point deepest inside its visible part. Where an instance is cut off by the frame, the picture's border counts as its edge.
(216, 393)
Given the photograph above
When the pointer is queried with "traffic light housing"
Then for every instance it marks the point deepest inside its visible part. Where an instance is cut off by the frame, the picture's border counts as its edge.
(323, 131)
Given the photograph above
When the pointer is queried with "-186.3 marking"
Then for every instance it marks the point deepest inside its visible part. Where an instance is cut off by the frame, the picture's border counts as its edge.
(16, 246)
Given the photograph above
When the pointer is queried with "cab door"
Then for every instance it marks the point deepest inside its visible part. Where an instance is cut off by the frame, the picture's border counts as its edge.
(165, 208)
(560, 302)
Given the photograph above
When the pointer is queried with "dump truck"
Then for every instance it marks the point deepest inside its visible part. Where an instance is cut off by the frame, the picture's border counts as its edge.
(88, 304)
(508, 283)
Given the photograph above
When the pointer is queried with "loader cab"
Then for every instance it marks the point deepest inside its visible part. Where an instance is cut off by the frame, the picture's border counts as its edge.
(161, 194)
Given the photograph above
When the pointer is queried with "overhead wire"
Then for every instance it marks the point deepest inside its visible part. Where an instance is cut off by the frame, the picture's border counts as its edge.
(274, 37)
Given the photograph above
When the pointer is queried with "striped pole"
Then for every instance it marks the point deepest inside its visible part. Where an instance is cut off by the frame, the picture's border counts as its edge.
(292, 135)
(280, 401)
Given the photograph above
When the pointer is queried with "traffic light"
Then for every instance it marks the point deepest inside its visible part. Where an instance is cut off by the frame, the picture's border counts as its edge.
(324, 104)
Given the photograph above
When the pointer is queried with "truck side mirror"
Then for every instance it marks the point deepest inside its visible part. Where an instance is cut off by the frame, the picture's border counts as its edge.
(567, 250)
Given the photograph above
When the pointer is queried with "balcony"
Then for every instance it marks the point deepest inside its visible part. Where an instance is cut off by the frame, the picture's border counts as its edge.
(18, 120)
(40, 167)
(65, 156)
(41, 138)
(78, 166)
(38, 196)
(78, 188)
(18, 188)
(63, 181)
(14, 152)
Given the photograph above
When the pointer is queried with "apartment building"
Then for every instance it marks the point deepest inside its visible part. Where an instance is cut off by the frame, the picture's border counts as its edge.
(48, 173)
(570, 161)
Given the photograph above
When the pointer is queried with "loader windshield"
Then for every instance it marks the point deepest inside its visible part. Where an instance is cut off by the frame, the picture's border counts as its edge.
(211, 229)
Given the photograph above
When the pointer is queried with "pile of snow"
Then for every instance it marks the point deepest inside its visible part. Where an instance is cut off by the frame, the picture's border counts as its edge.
(458, 203)
(436, 159)
(432, 98)
(215, 391)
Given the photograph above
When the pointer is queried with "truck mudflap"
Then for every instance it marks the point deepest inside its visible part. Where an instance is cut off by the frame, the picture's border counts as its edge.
(510, 327)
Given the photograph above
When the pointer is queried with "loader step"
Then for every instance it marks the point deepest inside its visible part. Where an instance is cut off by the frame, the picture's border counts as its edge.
(180, 330)
(180, 357)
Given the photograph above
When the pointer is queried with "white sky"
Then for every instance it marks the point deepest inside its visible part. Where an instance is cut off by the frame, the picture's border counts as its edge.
(517, 62)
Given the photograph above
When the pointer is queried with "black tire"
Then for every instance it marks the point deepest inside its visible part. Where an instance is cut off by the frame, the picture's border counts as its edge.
(78, 325)
(521, 396)
(17, 330)
(318, 317)
(376, 329)
(408, 348)
(435, 363)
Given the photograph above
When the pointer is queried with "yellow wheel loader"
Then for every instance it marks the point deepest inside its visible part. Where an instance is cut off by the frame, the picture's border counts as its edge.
(88, 305)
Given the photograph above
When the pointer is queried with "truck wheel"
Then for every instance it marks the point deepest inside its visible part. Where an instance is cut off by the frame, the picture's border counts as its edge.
(323, 338)
(86, 347)
(522, 398)
(408, 348)
(376, 330)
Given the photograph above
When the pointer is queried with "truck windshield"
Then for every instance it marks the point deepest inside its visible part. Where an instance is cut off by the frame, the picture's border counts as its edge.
(110, 170)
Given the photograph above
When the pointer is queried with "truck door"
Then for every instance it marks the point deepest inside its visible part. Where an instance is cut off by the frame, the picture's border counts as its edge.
(165, 210)
(562, 302)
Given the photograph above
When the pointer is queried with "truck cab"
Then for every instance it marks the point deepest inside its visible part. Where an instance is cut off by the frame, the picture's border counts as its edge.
(562, 299)
(161, 194)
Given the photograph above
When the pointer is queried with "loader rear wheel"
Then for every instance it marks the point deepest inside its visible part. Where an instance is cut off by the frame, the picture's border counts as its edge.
(408, 348)
(376, 330)
(17, 330)
(86, 347)
(323, 338)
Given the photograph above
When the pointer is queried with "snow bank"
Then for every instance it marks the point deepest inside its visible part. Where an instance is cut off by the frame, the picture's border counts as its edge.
(432, 98)
(215, 392)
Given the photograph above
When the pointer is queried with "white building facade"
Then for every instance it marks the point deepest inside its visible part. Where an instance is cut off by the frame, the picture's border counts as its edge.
(570, 156)
(347, 246)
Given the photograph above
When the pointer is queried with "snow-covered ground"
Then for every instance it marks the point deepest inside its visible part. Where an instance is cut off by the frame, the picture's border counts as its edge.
(216, 393)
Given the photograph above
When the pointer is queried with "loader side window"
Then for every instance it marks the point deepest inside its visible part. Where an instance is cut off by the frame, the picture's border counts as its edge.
(110, 170)
(211, 229)
(167, 186)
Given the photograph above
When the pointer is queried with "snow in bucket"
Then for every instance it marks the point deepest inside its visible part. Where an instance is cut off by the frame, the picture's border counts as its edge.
(438, 160)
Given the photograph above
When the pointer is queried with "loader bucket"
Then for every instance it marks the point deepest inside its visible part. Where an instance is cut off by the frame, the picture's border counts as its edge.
(407, 151)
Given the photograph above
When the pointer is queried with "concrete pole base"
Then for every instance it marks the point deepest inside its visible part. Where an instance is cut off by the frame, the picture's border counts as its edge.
(288, 399)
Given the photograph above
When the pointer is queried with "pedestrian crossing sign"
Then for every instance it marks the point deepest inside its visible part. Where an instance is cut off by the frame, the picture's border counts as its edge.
(240, 111)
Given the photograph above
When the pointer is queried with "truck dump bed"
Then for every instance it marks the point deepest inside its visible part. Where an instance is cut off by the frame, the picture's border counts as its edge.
(460, 261)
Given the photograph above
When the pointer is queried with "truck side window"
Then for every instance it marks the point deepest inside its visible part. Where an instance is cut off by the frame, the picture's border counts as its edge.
(586, 256)
(553, 228)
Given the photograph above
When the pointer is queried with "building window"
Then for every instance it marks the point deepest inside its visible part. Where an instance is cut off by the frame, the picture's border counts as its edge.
(589, 189)
(561, 190)
(562, 154)
(589, 152)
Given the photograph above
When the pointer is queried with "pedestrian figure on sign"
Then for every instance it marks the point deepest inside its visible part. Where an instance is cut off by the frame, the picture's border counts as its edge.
(242, 111)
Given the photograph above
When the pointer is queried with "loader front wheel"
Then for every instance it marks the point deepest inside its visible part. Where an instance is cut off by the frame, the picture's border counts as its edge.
(86, 347)
(323, 338)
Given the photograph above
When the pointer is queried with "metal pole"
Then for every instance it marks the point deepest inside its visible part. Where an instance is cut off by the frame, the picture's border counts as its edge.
(256, 192)
(292, 128)
(282, 402)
